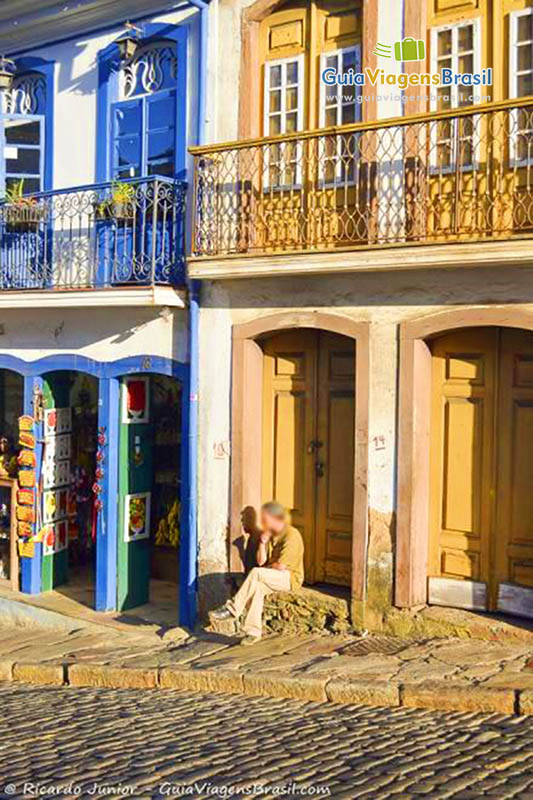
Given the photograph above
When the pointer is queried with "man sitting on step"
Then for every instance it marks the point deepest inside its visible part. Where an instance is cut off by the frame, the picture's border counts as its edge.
(280, 557)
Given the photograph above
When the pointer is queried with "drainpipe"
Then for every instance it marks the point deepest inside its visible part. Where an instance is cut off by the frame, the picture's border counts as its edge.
(189, 561)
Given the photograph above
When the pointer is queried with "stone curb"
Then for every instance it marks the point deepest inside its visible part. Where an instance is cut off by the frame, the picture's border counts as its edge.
(432, 695)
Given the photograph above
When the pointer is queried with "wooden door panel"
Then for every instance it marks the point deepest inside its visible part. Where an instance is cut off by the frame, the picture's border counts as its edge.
(336, 414)
(462, 456)
(513, 549)
(289, 420)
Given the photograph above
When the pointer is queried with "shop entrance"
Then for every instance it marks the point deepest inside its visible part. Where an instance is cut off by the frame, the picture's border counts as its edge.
(481, 542)
(68, 473)
(149, 494)
(308, 443)
(11, 408)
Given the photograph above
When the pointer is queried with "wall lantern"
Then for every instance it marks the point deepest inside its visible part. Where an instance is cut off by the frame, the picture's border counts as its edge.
(129, 42)
(7, 71)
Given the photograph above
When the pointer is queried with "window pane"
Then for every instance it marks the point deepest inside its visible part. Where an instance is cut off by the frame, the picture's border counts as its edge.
(331, 62)
(444, 43)
(275, 76)
(466, 37)
(161, 112)
(291, 123)
(31, 185)
(291, 99)
(25, 161)
(524, 60)
(525, 85)
(525, 28)
(331, 116)
(275, 100)
(466, 63)
(161, 145)
(22, 132)
(348, 60)
(348, 114)
(443, 98)
(128, 150)
(165, 168)
(274, 125)
(292, 72)
(128, 119)
(129, 172)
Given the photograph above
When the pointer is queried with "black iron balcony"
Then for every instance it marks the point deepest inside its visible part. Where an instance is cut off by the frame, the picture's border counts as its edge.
(127, 233)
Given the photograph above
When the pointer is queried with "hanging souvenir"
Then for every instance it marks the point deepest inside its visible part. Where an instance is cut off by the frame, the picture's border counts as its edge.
(27, 440)
(25, 514)
(39, 536)
(27, 478)
(26, 497)
(49, 541)
(26, 458)
(26, 423)
(26, 549)
(24, 529)
(136, 401)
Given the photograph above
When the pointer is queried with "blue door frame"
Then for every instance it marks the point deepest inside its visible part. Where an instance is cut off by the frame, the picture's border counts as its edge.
(109, 374)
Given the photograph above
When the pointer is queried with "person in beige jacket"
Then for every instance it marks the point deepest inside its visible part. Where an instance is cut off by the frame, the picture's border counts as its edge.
(280, 554)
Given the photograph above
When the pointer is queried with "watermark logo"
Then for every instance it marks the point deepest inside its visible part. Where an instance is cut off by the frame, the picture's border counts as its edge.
(407, 49)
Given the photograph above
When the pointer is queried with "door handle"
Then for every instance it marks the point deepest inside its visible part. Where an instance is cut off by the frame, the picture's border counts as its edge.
(314, 445)
(319, 469)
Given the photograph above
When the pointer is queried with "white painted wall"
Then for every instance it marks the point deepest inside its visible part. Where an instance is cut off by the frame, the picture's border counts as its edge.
(103, 334)
(76, 83)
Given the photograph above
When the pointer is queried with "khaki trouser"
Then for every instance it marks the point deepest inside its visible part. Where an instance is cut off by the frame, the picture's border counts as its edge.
(261, 582)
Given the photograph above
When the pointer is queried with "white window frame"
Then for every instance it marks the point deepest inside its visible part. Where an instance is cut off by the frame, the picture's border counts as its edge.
(454, 90)
(514, 16)
(282, 62)
(338, 179)
(325, 89)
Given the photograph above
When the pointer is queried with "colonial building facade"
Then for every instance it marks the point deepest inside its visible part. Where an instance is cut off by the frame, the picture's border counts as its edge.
(367, 305)
(97, 325)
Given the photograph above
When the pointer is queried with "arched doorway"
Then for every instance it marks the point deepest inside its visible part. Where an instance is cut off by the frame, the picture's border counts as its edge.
(263, 361)
(481, 473)
(308, 443)
(463, 460)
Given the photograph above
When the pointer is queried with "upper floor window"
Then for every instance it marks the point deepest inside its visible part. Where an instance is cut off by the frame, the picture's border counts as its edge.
(296, 43)
(144, 119)
(22, 134)
(455, 47)
(521, 53)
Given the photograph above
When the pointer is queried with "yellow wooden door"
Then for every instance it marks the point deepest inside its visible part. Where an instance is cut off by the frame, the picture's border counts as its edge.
(308, 443)
(513, 541)
(289, 419)
(462, 466)
(335, 458)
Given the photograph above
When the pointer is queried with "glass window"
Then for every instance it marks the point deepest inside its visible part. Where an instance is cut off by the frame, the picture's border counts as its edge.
(145, 136)
(454, 47)
(283, 96)
(22, 148)
(521, 83)
(338, 104)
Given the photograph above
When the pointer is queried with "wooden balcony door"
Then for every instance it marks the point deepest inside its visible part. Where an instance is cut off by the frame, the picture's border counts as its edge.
(308, 444)
(481, 540)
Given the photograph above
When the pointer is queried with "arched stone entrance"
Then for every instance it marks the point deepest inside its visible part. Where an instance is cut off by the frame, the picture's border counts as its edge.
(475, 367)
(248, 391)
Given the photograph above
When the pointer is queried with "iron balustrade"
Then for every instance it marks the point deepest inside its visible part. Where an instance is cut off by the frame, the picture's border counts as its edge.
(458, 175)
(99, 236)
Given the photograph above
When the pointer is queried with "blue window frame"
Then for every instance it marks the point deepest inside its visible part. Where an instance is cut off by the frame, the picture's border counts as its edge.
(22, 151)
(144, 136)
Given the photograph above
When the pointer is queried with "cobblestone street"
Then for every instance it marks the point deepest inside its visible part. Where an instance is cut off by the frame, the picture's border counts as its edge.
(84, 742)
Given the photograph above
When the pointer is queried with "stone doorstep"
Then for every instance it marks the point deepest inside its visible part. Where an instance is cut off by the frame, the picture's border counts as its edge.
(431, 695)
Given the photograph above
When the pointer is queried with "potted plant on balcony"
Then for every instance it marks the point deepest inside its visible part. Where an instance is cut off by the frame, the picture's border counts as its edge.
(120, 205)
(20, 211)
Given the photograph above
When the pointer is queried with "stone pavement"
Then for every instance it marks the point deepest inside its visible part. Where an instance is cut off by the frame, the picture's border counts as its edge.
(445, 674)
(65, 742)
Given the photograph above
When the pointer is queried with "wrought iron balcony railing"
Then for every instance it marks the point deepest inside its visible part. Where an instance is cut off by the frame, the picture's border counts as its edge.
(100, 236)
(459, 175)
